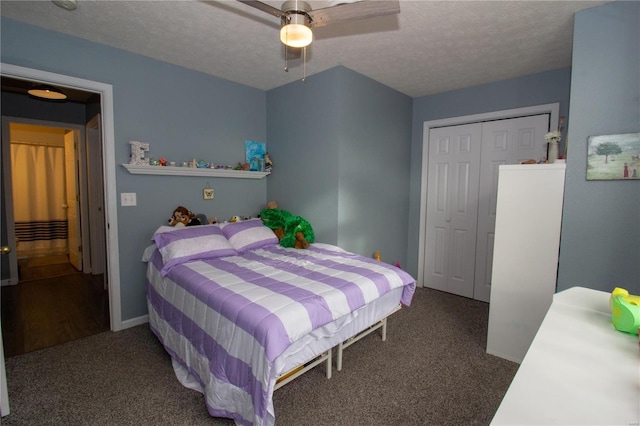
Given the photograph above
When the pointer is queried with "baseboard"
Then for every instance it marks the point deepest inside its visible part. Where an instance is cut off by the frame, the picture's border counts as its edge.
(135, 321)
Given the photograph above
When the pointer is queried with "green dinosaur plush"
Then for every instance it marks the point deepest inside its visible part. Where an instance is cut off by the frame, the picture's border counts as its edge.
(292, 231)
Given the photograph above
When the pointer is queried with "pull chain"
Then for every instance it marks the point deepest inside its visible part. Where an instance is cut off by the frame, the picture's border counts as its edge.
(286, 53)
(286, 58)
(304, 64)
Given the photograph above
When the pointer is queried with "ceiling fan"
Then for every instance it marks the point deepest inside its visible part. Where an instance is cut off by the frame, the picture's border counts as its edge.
(297, 18)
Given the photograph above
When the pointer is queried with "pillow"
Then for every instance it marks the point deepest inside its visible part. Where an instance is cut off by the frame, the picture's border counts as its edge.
(191, 243)
(249, 234)
(164, 228)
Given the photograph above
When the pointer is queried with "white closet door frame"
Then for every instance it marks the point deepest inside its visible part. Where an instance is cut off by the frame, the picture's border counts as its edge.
(552, 109)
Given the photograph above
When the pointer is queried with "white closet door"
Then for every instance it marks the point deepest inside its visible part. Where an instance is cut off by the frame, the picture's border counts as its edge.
(454, 167)
(503, 142)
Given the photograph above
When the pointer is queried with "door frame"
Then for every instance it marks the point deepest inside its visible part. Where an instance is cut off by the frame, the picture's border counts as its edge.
(553, 109)
(109, 168)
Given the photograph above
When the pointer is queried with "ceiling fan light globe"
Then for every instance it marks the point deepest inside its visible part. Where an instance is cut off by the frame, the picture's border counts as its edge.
(296, 35)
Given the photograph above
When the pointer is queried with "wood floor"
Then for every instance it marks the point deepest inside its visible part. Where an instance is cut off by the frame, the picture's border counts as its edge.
(52, 304)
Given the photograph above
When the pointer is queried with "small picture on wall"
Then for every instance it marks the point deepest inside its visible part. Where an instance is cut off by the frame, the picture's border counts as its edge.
(613, 157)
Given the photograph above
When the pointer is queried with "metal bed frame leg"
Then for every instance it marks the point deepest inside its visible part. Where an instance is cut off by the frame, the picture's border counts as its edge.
(287, 377)
(380, 324)
(384, 329)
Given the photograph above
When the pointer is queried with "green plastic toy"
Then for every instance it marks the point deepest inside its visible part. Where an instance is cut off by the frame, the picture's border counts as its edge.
(625, 311)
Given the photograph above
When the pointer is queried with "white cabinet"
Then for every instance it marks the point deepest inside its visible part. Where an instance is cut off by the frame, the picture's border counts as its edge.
(525, 256)
(579, 370)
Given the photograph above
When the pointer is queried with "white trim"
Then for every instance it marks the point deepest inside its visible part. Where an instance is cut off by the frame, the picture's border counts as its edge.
(108, 147)
(553, 109)
(133, 322)
(5, 409)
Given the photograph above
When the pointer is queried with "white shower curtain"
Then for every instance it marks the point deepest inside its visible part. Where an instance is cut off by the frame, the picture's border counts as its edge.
(39, 196)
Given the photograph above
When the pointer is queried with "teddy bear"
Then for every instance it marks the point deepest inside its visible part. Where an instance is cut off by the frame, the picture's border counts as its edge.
(292, 231)
(183, 217)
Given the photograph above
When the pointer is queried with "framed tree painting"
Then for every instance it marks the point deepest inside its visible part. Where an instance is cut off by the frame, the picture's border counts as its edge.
(613, 157)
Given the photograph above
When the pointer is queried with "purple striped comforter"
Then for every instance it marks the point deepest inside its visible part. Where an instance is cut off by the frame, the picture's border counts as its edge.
(226, 320)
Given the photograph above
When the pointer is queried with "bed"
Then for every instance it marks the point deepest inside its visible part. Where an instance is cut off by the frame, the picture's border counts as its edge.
(237, 312)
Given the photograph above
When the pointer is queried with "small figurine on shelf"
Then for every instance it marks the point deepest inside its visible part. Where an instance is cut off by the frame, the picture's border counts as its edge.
(162, 161)
(268, 164)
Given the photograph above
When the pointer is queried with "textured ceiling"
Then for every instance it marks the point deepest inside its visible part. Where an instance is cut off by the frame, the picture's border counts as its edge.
(430, 47)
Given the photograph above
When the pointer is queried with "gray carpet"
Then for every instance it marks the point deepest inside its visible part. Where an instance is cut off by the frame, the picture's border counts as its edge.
(432, 370)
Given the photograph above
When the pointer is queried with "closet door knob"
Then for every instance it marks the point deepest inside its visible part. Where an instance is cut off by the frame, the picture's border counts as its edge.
(5, 250)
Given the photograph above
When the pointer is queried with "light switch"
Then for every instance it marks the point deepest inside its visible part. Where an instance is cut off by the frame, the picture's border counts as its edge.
(128, 199)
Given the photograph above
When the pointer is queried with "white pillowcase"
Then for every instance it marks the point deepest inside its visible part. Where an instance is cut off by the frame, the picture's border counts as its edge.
(182, 245)
(249, 234)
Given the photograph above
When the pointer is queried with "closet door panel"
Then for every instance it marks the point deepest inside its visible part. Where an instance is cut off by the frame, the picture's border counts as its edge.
(453, 171)
(503, 142)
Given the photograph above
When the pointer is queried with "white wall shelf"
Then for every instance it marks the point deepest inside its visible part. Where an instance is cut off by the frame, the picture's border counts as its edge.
(192, 171)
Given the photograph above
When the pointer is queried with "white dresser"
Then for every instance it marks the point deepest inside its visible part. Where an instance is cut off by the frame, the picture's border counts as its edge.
(579, 369)
(525, 255)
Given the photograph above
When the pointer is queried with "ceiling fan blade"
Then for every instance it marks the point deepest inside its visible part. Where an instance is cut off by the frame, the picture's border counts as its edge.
(263, 7)
(353, 11)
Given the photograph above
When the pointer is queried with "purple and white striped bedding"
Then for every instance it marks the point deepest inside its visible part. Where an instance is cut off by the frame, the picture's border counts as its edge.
(226, 321)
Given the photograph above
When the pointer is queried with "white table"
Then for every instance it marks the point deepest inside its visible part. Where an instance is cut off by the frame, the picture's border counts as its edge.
(579, 370)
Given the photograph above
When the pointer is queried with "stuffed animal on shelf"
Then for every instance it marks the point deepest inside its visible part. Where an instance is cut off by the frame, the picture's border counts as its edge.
(292, 231)
(183, 217)
(268, 164)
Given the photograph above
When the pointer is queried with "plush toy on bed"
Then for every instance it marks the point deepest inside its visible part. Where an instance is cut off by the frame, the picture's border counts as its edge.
(292, 231)
(183, 217)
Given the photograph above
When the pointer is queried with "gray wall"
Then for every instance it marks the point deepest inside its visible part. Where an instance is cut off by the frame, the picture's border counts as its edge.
(600, 245)
(183, 114)
(537, 89)
(341, 145)
(303, 144)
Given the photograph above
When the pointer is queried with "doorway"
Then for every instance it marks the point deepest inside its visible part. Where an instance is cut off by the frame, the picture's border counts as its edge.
(110, 213)
(59, 295)
(110, 209)
(48, 197)
(459, 176)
